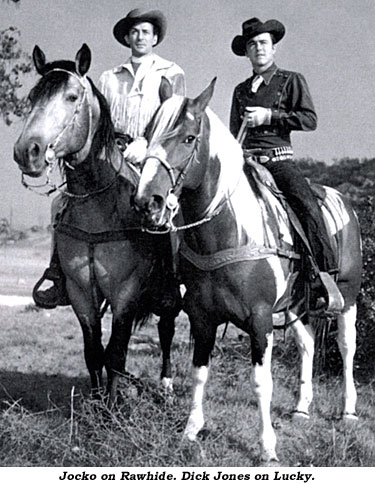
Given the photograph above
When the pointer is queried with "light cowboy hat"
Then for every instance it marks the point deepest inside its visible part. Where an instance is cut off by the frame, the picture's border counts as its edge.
(136, 16)
(253, 27)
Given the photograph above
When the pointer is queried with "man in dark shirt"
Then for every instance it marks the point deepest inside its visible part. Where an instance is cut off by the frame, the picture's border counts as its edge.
(275, 102)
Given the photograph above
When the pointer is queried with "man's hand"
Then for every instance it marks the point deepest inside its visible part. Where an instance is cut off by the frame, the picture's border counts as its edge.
(136, 151)
(256, 116)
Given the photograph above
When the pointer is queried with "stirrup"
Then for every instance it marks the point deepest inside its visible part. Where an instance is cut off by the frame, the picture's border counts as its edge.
(335, 301)
(60, 298)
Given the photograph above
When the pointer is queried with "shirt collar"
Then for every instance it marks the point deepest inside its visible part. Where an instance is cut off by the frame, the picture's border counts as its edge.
(152, 59)
(268, 74)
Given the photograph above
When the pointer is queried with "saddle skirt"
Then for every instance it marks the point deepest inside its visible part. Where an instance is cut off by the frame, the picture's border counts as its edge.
(279, 219)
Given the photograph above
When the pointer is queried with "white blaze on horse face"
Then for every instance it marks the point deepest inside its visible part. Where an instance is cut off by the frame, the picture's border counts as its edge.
(150, 170)
(196, 419)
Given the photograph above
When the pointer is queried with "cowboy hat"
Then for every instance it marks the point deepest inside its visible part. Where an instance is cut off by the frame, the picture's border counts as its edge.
(253, 27)
(136, 16)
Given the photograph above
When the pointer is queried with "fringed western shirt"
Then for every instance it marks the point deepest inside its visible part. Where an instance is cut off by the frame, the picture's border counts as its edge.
(133, 96)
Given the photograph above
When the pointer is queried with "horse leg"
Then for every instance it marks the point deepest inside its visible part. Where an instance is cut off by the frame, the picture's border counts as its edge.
(166, 333)
(204, 335)
(346, 340)
(261, 354)
(115, 353)
(92, 334)
(304, 336)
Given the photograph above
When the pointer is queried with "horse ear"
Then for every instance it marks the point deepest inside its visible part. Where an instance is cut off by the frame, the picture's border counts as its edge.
(165, 89)
(39, 59)
(83, 60)
(201, 102)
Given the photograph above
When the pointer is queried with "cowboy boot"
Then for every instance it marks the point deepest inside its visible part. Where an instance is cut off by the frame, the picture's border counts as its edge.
(327, 296)
(55, 295)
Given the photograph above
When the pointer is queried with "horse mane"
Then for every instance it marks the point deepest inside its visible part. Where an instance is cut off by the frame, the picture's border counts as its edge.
(105, 132)
(165, 121)
(232, 183)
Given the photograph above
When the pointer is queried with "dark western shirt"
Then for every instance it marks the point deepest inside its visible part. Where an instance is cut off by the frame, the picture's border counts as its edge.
(287, 94)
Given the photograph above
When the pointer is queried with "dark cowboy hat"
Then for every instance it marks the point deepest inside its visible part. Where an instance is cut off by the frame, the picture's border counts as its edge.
(136, 16)
(253, 27)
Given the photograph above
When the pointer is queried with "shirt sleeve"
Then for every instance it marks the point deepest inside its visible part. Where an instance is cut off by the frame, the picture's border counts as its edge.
(103, 86)
(177, 78)
(235, 120)
(298, 112)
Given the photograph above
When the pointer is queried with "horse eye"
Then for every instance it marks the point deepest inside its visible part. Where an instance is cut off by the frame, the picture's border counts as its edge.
(189, 139)
(72, 98)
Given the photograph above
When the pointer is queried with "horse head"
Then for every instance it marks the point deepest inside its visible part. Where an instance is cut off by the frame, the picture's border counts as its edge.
(173, 156)
(64, 114)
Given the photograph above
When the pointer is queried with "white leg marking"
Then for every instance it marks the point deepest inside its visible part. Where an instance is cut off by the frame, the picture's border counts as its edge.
(304, 336)
(262, 380)
(196, 419)
(280, 280)
(346, 339)
(167, 384)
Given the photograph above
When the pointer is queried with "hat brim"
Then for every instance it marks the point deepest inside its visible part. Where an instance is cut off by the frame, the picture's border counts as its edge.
(154, 17)
(273, 27)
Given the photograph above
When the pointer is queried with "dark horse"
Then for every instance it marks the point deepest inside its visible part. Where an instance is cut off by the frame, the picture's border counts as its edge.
(102, 250)
(236, 262)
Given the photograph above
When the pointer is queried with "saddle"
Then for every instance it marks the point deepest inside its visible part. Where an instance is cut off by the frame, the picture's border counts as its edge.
(264, 184)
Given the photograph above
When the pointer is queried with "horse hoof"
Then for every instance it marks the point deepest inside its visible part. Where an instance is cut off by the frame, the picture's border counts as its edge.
(272, 463)
(193, 450)
(269, 459)
(167, 384)
(350, 417)
(300, 417)
(190, 435)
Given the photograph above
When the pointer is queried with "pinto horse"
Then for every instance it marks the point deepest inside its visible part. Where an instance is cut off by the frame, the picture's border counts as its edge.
(102, 250)
(236, 263)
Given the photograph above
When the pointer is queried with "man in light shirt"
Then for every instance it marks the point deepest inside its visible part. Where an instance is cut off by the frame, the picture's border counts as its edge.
(132, 92)
(132, 88)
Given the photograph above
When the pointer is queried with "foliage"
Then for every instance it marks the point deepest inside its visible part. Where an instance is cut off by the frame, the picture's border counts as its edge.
(14, 63)
(59, 425)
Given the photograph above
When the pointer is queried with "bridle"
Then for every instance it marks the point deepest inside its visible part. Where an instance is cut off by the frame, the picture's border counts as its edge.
(171, 202)
(172, 198)
(50, 155)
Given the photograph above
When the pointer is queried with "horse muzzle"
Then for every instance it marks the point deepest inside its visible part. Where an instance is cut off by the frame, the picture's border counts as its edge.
(153, 210)
(30, 157)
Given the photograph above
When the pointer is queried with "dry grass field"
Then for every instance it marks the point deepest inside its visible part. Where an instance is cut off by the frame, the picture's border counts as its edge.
(48, 418)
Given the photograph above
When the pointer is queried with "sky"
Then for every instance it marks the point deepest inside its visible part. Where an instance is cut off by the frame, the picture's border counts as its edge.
(331, 42)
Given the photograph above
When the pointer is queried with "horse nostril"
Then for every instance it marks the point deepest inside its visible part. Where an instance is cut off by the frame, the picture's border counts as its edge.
(33, 151)
(155, 204)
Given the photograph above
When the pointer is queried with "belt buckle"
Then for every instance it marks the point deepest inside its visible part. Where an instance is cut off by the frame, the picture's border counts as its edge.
(263, 158)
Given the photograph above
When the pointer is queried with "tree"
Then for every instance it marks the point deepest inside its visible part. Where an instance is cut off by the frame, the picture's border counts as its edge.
(14, 63)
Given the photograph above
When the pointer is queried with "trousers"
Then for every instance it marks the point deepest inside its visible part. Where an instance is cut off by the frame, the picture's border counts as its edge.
(298, 193)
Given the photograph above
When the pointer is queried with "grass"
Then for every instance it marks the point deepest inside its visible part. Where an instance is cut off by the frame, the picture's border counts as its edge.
(49, 419)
